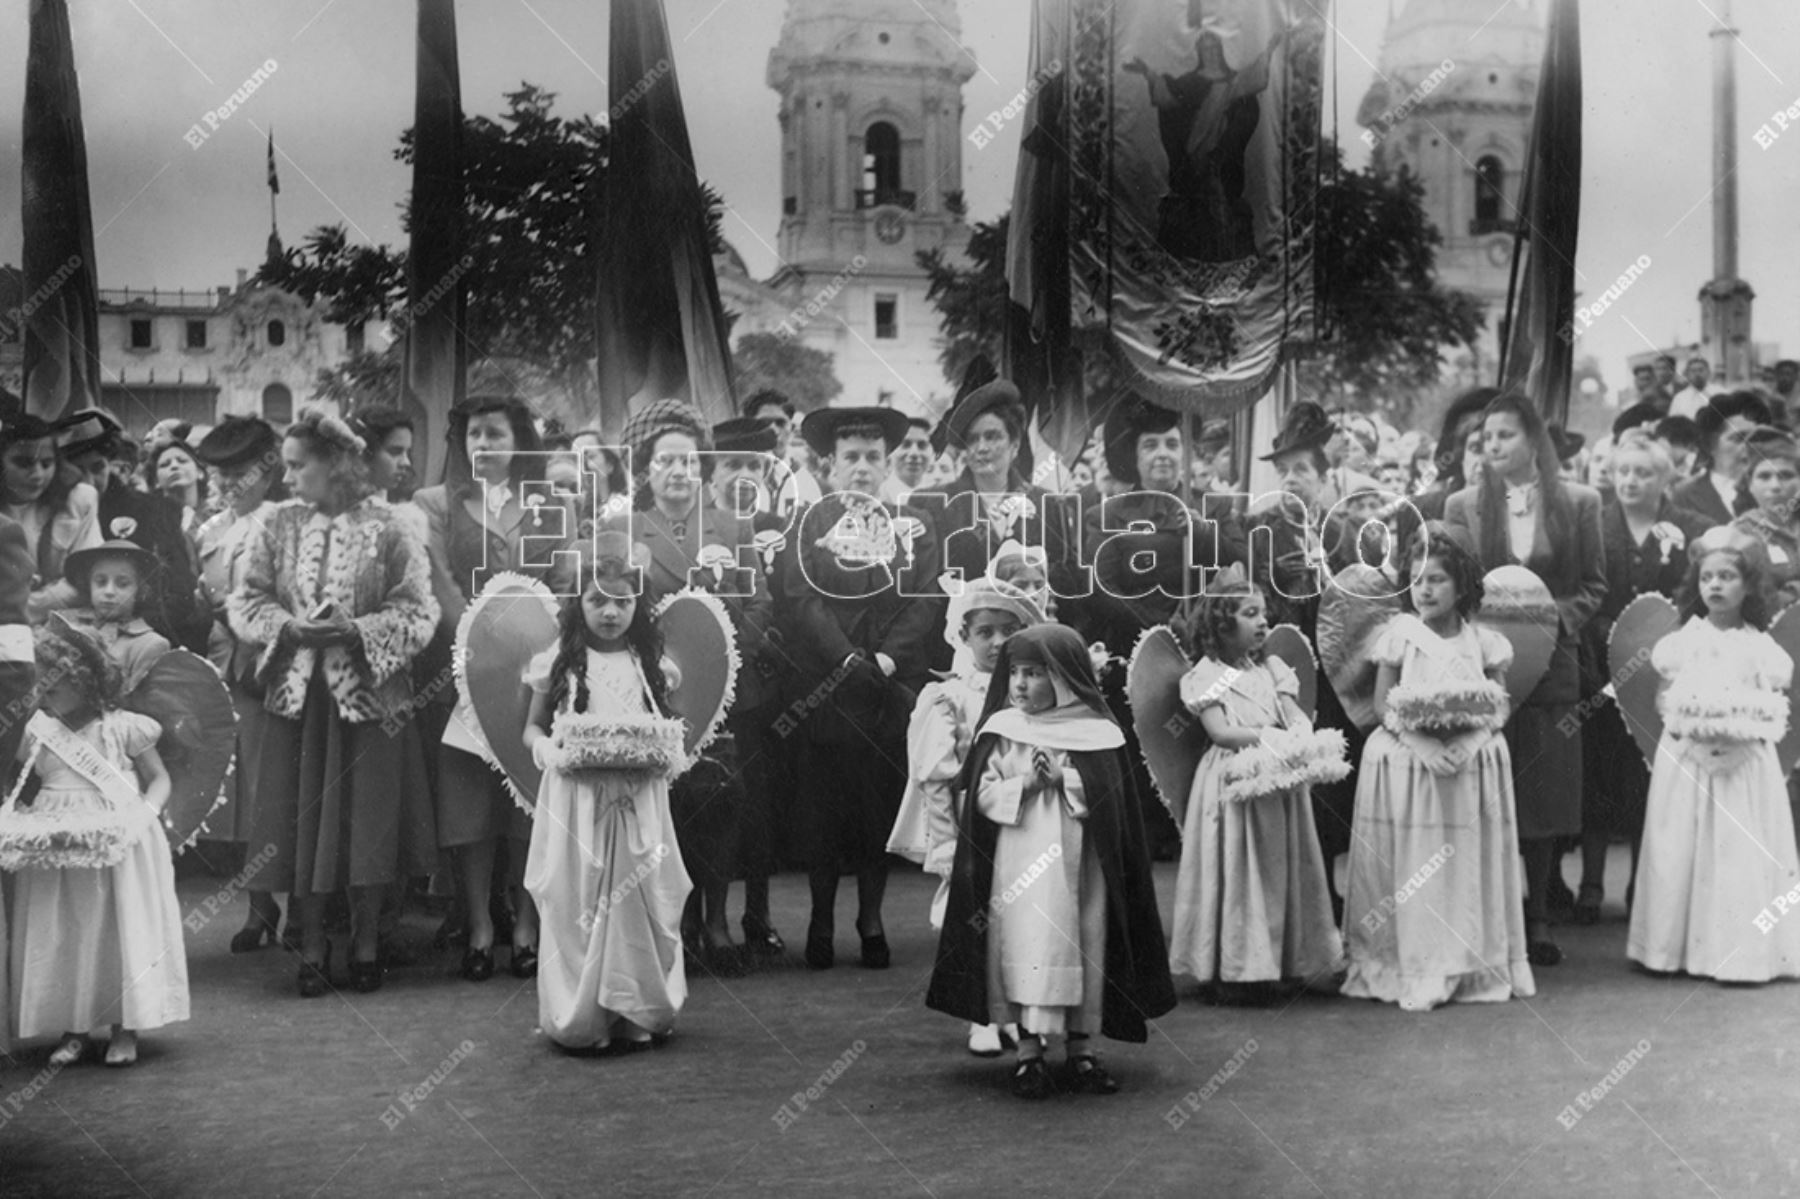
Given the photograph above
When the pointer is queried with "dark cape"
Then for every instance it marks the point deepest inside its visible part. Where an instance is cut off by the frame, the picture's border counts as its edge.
(1138, 986)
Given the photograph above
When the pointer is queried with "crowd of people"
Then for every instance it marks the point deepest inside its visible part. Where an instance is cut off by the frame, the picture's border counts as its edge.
(934, 667)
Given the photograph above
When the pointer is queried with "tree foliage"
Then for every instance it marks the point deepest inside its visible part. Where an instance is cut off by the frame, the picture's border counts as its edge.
(1388, 320)
(533, 182)
(803, 374)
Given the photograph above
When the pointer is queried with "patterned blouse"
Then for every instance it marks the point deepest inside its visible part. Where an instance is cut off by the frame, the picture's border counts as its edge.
(376, 572)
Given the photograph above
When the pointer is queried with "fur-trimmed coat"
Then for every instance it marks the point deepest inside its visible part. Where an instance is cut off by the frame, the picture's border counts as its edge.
(376, 572)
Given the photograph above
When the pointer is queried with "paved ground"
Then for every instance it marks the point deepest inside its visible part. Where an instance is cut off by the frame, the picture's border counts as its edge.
(266, 1094)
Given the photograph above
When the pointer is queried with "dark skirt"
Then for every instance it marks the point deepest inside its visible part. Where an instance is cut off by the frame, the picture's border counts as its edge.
(1618, 781)
(339, 804)
(232, 821)
(845, 804)
(473, 803)
(706, 804)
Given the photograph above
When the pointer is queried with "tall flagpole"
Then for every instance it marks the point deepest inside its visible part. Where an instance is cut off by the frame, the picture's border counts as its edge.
(1727, 302)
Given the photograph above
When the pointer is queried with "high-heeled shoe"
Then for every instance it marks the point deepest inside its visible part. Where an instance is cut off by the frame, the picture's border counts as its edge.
(250, 938)
(478, 964)
(761, 938)
(875, 954)
(366, 977)
(314, 978)
(524, 961)
(820, 954)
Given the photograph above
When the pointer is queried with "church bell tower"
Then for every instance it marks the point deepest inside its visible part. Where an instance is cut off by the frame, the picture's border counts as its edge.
(871, 172)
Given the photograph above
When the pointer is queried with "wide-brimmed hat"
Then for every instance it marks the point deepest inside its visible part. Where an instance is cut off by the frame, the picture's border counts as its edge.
(80, 564)
(744, 435)
(1567, 444)
(1130, 419)
(1306, 428)
(237, 440)
(820, 428)
(86, 430)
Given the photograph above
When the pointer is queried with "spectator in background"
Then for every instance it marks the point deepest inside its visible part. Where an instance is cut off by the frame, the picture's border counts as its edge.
(1787, 391)
(1692, 398)
(801, 487)
(1664, 370)
(1725, 425)
(59, 510)
(912, 462)
(1681, 437)
(174, 471)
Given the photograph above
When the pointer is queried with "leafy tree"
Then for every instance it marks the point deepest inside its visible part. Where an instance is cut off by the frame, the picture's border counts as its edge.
(364, 379)
(971, 299)
(1388, 321)
(798, 371)
(533, 190)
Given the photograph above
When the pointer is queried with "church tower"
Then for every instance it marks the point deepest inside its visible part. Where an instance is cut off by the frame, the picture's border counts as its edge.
(1452, 102)
(871, 173)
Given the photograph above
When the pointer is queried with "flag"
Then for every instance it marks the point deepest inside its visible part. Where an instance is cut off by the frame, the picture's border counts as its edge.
(1164, 202)
(274, 179)
(1538, 357)
(436, 350)
(60, 310)
(662, 330)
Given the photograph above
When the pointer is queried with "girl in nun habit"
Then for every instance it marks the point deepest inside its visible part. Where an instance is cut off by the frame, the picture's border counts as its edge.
(1052, 920)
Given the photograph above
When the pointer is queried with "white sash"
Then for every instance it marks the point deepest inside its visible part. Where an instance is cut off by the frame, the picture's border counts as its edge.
(118, 790)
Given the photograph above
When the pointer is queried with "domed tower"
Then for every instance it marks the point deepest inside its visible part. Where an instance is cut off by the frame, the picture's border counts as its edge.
(1452, 102)
(871, 172)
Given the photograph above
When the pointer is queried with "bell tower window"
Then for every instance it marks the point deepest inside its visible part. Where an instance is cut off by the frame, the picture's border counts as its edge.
(1490, 197)
(881, 169)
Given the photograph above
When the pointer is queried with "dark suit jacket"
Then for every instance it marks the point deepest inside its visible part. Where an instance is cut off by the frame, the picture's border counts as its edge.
(1700, 497)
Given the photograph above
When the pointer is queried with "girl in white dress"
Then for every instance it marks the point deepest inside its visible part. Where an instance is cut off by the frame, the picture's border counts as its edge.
(1434, 908)
(96, 946)
(979, 620)
(1252, 904)
(1718, 878)
(604, 868)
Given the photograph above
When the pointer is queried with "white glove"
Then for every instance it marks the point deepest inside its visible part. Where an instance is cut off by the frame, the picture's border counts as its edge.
(548, 754)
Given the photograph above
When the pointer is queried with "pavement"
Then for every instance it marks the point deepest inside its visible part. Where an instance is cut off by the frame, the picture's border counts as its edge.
(436, 1086)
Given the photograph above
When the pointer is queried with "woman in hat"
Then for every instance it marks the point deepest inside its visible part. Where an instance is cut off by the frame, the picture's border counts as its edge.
(1772, 483)
(860, 588)
(1521, 512)
(479, 524)
(684, 534)
(339, 595)
(60, 513)
(243, 455)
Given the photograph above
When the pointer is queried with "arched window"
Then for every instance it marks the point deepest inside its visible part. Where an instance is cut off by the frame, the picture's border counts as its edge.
(278, 404)
(1490, 195)
(277, 333)
(881, 165)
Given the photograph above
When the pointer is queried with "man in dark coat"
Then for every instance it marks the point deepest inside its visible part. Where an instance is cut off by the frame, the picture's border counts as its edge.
(88, 440)
(860, 597)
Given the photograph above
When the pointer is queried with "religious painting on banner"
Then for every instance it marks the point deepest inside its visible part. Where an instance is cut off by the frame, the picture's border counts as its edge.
(1193, 136)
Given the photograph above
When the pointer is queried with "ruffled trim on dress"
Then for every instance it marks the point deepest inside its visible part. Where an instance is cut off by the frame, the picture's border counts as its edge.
(1287, 758)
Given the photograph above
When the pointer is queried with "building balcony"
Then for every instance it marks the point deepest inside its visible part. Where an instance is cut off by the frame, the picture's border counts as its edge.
(887, 197)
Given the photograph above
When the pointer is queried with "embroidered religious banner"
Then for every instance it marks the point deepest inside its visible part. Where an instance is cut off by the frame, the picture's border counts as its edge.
(1193, 132)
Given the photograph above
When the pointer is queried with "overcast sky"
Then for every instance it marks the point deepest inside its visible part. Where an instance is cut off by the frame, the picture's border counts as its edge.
(170, 215)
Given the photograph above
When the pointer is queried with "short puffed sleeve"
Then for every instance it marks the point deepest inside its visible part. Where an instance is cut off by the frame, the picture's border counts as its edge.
(1496, 650)
(1669, 655)
(1392, 640)
(137, 732)
(537, 671)
(1286, 681)
(1205, 685)
(1775, 670)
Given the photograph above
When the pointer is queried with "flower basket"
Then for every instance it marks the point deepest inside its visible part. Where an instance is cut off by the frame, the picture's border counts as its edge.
(86, 838)
(1446, 708)
(653, 744)
(1287, 758)
(1709, 715)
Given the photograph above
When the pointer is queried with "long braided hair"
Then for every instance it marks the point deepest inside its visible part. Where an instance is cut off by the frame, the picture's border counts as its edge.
(642, 636)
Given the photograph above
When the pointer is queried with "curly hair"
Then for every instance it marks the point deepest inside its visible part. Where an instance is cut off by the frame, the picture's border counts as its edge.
(1434, 541)
(202, 486)
(329, 440)
(1759, 588)
(79, 660)
(642, 636)
(1214, 623)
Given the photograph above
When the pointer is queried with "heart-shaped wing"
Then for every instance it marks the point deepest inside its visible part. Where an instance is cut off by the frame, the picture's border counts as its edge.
(1786, 630)
(699, 639)
(1519, 607)
(1289, 644)
(183, 693)
(1170, 737)
(1352, 611)
(1645, 621)
(512, 620)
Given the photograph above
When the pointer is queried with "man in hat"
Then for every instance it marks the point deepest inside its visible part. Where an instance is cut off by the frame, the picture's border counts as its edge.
(861, 601)
(89, 439)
